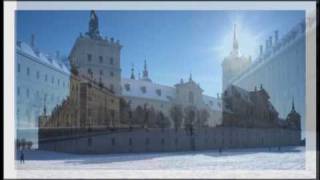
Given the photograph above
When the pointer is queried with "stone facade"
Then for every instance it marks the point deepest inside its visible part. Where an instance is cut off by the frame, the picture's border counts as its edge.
(40, 80)
(98, 59)
(280, 68)
(89, 106)
(254, 110)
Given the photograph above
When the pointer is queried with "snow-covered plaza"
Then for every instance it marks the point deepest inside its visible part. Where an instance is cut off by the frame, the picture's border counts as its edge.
(288, 158)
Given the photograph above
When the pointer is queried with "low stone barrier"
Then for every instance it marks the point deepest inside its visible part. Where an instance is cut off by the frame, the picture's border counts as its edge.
(167, 140)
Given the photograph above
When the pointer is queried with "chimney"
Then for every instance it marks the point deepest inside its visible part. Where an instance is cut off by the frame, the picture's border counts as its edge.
(276, 36)
(270, 41)
(261, 50)
(32, 40)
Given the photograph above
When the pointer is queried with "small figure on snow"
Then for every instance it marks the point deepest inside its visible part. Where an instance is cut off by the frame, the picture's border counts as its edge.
(21, 157)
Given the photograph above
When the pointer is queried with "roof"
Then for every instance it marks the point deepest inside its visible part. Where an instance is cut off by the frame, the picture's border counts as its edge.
(212, 102)
(243, 93)
(42, 57)
(147, 89)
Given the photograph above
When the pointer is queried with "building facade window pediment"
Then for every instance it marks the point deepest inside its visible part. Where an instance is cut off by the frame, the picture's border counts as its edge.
(127, 87)
(158, 91)
(143, 89)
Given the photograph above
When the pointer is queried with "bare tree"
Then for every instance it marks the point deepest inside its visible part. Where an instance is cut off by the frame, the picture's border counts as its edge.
(190, 117)
(162, 121)
(202, 118)
(176, 115)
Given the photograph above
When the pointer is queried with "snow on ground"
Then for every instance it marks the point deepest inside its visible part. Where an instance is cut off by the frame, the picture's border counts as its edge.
(289, 158)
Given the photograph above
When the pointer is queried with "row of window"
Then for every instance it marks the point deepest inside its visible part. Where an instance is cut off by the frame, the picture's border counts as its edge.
(90, 72)
(37, 95)
(38, 75)
(101, 59)
(143, 89)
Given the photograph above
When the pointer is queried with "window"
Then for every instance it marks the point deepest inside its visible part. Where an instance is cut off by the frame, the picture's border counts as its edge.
(111, 87)
(89, 112)
(89, 57)
(63, 84)
(89, 142)
(38, 74)
(100, 59)
(130, 142)
(111, 61)
(18, 91)
(18, 68)
(162, 141)
(28, 92)
(90, 71)
(46, 77)
(143, 89)
(111, 74)
(58, 82)
(101, 72)
(158, 91)
(127, 87)
(112, 114)
(113, 141)
(28, 71)
(52, 79)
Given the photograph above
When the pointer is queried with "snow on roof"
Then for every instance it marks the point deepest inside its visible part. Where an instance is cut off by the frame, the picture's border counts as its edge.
(212, 102)
(41, 57)
(26, 48)
(147, 89)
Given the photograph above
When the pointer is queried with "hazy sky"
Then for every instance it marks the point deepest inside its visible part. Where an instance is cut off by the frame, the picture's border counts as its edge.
(175, 43)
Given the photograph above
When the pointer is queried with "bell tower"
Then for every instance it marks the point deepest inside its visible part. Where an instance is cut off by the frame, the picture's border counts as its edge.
(234, 64)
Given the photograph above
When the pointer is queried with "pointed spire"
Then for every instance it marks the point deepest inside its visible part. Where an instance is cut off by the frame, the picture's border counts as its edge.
(292, 108)
(261, 87)
(145, 70)
(132, 72)
(44, 107)
(190, 77)
(32, 40)
(235, 40)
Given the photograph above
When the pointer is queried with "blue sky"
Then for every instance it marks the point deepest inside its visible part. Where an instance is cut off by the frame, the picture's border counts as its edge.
(175, 43)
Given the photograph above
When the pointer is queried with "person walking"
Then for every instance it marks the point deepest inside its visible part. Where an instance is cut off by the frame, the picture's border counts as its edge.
(21, 157)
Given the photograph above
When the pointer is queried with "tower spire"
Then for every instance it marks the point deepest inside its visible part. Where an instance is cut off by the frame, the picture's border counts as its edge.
(132, 72)
(292, 108)
(145, 73)
(93, 31)
(190, 77)
(235, 41)
(145, 70)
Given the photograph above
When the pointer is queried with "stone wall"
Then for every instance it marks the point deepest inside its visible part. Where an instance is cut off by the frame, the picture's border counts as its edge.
(165, 140)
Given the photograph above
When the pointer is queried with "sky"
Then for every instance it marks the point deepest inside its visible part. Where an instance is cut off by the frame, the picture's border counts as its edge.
(174, 43)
